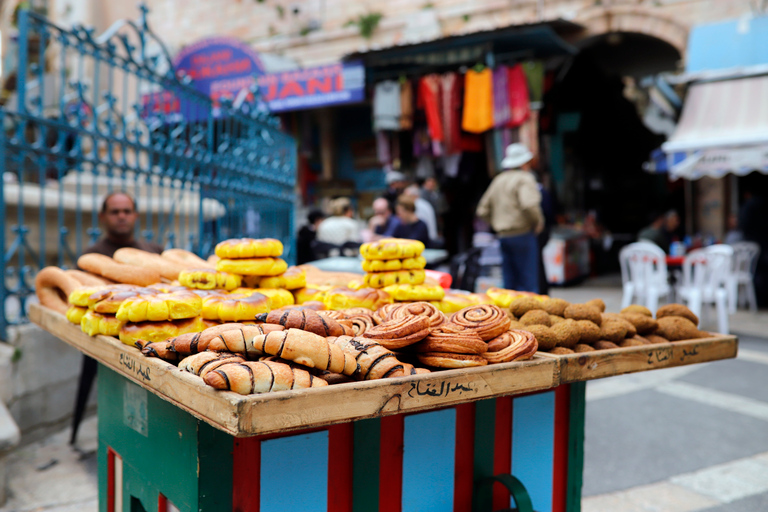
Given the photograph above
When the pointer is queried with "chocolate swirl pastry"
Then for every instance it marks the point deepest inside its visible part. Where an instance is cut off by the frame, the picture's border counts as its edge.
(436, 317)
(304, 319)
(511, 346)
(487, 320)
(400, 332)
(260, 377)
(374, 361)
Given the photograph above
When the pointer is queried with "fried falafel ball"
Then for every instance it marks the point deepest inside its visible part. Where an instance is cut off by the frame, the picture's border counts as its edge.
(561, 351)
(676, 328)
(605, 345)
(597, 303)
(655, 339)
(641, 339)
(522, 305)
(638, 309)
(613, 330)
(616, 317)
(554, 319)
(545, 337)
(643, 324)
(515, 325)
(567, 333)
(631, 342)
(589, 332)
(555, 306)
(583, 312)
(582, 347)
(536, 317)
(677, 310)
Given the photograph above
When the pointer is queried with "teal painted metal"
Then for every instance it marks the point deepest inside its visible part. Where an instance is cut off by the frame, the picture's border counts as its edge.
(99, 113)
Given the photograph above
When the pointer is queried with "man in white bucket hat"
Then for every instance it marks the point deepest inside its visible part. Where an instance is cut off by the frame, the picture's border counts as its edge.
(512, 206)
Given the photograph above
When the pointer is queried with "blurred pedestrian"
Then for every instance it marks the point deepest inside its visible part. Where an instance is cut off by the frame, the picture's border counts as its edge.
(512, 207)
(307, 234)
(340, 227)
(430, 191)
(383, 222)
(118, 217)
(396, 183)
(410, 225)
(424, 210)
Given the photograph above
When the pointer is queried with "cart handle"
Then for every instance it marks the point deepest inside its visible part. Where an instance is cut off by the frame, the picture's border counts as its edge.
(514, 486)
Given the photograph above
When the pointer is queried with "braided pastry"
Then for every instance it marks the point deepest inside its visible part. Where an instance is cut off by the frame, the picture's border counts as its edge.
(416, 263)
(401, 332)
(109, 300)
(391, 249)
(75, 314)
(408, 292)
(487, 320)
(249, 248)
(93, 323)
(150, 332)
(292, 279)
(253, 266)
(447, 360)
(235, 307)
(208, 279)
(436, 318)
(363, 297)
(382, 279)
(204, 362)
(253, 377)
(308, 349)
(311, 293)
(511, 346)
(304, 319)
(374, 361)
(183, 345)
(466, 342)
(163, 306)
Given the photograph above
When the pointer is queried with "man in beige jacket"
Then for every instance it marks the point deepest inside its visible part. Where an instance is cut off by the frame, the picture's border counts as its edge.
(512, 206)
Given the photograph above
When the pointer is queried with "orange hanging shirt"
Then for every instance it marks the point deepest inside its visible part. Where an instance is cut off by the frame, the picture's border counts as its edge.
(478, 101)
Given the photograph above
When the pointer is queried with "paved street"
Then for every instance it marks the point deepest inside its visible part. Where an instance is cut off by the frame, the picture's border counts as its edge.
(682, 439)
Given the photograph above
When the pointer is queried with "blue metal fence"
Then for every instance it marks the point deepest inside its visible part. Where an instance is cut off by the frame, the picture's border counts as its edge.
(93, 114)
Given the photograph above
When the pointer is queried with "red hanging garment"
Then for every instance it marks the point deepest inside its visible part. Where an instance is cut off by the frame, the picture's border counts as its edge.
(429, 101)
(519, 102)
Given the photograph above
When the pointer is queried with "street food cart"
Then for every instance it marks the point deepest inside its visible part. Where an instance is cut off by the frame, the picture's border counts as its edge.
(434, 441)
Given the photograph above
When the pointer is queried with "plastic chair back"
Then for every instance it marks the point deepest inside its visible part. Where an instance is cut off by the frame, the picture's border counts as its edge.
(643, 263)
(745, 255)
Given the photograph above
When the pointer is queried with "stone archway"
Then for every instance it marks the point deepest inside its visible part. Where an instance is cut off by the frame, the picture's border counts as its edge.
(635, 20)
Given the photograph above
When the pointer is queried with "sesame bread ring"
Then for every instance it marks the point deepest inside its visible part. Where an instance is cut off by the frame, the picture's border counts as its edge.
(118, 272)
(391, 249)
(345, 298)
(249, 248)
(75, 314)
(94, 323)
(153, 332)
(403, 310)
(209, 279)
(53, 286)
(186, 258)
(411, 292)
(416, 263)
(87, 279)
(382, 279)
(448, 360)
(253, 266)
(487, 320)
(160, 307)
(150, 260)
(511, 346)
(292, 279)
(235, 307)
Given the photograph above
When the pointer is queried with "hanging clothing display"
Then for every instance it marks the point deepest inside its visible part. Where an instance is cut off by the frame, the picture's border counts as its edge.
(386, 106)
(429, 101)
(451, 107)
(519, 104)
(478, 101)
(501, 111)
(406, 105)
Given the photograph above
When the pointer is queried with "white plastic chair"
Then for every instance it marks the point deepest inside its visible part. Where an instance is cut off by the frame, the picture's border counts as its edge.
(643, 274)
(745, 255)
(706, 274)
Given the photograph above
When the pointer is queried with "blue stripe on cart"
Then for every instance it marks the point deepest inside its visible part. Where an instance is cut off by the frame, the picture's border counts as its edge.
(533, 436)
(429, 446)
(295, 468)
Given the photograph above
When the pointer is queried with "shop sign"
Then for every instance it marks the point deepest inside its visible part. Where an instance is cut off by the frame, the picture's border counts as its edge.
(321, 86)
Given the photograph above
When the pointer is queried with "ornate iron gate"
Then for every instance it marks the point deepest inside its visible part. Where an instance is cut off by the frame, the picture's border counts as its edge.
(94, 114)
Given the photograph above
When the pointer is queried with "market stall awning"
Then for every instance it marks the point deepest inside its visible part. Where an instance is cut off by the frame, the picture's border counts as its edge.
(723, 129)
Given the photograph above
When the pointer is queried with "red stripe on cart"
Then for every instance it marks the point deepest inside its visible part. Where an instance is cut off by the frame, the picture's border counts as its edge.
(560, 472)
(110, 480)
(391, 464)
(465, 457)
(502, 456)
(340, 474)
(246, 474)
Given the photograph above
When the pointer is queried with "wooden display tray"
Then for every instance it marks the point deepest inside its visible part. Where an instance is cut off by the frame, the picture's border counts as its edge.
(243, 416)
(617, 361)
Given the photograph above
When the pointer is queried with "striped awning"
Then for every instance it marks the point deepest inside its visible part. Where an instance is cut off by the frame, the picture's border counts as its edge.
(723, 129)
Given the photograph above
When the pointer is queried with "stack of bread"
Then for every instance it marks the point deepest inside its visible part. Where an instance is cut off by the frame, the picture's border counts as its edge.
(397, 266)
